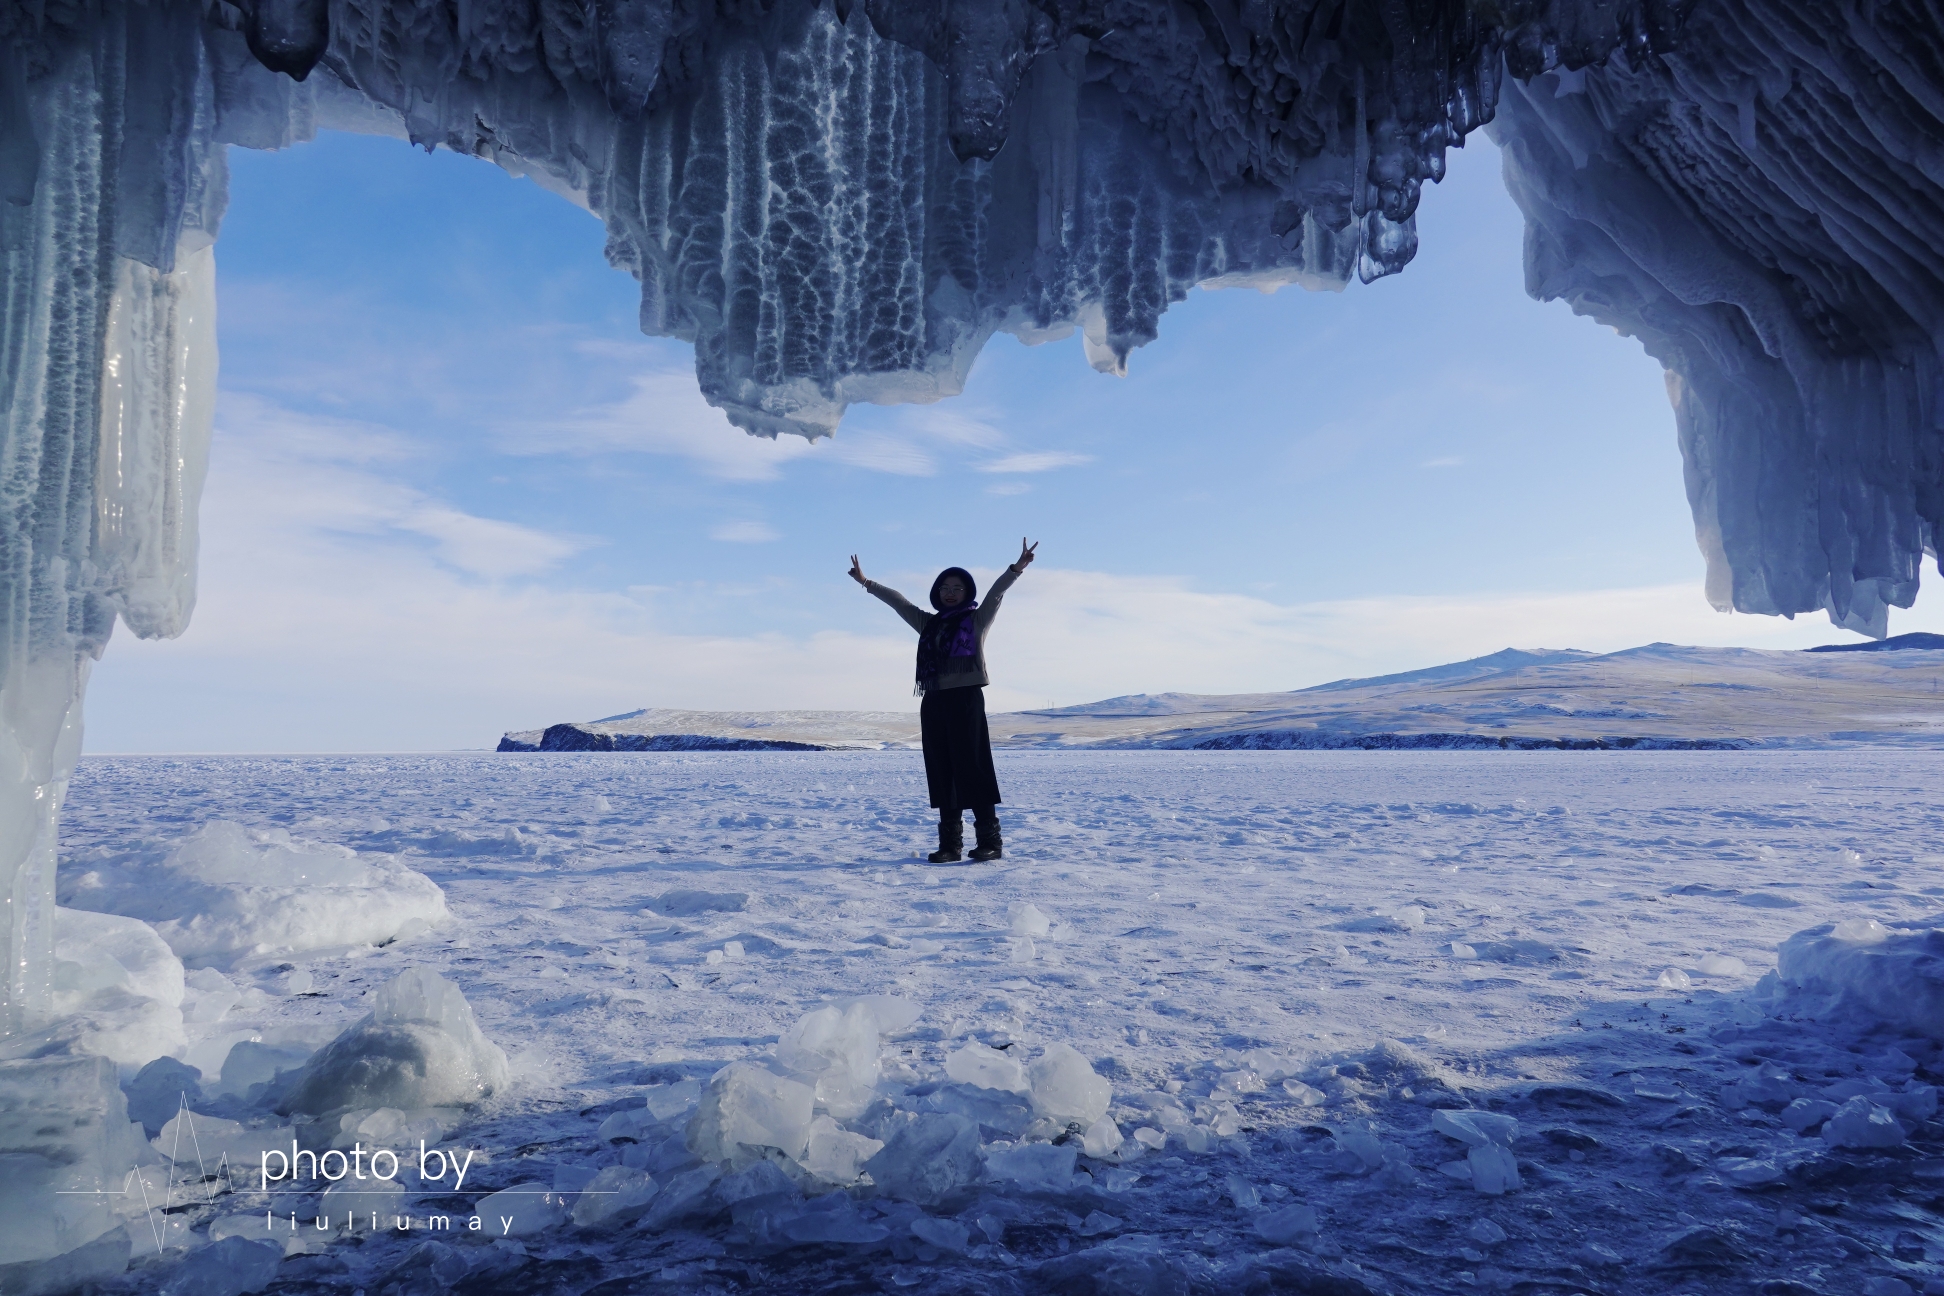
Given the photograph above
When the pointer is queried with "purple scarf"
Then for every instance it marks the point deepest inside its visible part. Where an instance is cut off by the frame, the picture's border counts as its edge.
(950, 638)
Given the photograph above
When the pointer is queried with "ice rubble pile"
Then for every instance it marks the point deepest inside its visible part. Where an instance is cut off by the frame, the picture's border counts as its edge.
(1860, 974)
(227, 891)
(399, 1075)
(774, 1139)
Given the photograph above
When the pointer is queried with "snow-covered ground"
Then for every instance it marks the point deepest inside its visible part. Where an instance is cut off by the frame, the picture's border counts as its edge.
(1291, 967)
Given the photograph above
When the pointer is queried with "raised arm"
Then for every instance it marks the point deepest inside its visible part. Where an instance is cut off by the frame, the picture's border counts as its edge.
(912, 616)
(989, 606)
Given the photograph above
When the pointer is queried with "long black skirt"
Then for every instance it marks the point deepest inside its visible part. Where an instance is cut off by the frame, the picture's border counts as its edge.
(958, 749)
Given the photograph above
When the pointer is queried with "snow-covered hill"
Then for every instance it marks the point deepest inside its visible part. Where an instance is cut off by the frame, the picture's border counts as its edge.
(1656, 696)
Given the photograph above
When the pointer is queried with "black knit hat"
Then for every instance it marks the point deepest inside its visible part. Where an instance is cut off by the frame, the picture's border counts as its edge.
(971, 586)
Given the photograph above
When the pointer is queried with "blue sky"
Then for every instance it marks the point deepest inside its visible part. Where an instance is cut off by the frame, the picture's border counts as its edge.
(455, 491)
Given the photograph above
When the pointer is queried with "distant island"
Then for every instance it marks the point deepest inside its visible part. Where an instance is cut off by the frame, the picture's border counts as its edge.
(1660, 697)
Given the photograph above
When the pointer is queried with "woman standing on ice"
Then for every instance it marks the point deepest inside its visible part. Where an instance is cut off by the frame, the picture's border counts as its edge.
(952, 718)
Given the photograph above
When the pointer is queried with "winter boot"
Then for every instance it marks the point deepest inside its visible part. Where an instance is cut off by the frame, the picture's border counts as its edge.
(951, 841)
(989, 847)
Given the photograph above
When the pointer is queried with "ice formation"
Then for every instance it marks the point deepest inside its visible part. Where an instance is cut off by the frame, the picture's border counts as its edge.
(1759, 204)
(419, 1047)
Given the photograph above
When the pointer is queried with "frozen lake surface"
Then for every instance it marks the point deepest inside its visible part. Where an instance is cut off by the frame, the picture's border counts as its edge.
(1286, 964)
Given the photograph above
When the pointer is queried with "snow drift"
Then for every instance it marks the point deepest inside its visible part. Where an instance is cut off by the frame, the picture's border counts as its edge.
(1893, 974)
(227, 891)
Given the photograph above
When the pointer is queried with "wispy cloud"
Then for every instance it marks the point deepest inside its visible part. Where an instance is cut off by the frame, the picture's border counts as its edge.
(745, 532)
(327, 481)
(487, 547)
(953, 426)
(1035, 461)
(879, 452)
(663, 414)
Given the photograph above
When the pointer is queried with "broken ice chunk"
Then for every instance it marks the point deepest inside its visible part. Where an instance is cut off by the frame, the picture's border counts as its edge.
(1494, 1170)
(1721, 965)
(925, 1156)
(835, 1155)
(987, 1068)
(835, 1050)
(666, 1102)
(1020, 949)
(1065, 1088)
(1242, 1193)
(748, 1106)
(616, 1195)
(1027, 920)
(1044, 1167)
(1152, 1139)
(192, 1138)
(522, 1210)
(1476, 1128)
(1770, 1086)
(418, 1047)
(1486, 1232)
(1460, 950)
(1749, 1172)
(1860, 1123)
(1674, 979)
(1287, 1226)
(1307, 1095)
(1861, 931)
(1102, 1139)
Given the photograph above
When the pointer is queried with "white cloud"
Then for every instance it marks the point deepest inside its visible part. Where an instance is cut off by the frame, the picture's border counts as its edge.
(879, 453)
(663, 414)
(954, 426)
(1034, 461)
(487, 547)
(745, 532)
(1009, 488)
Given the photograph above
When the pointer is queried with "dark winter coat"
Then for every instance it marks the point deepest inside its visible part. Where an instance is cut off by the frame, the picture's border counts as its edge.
(917, 618)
